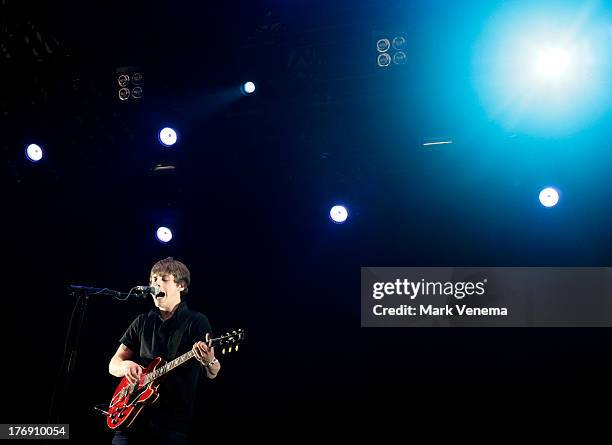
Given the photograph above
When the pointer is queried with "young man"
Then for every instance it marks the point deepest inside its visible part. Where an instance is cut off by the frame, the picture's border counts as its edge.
(155, 334)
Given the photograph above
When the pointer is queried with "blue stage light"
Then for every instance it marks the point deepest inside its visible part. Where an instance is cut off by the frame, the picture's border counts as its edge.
(167, 136)
(554, 63)
(542, 68)
(164, 234)
(247, 88)
(338, 214)
(549, 197)
(34, 152)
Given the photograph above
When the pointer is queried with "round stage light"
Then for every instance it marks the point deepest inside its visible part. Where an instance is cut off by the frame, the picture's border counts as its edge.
(543, 70)
(383, 45)
(553, 63)
(399, 42)
(338, 214)
(164, 234)
(384, 59)
(34, 153)
(167, 136)
(399, 58)
(247, 88)
(549, 197)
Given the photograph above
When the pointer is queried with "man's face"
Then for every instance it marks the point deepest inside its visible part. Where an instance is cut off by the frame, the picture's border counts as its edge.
(170, 292)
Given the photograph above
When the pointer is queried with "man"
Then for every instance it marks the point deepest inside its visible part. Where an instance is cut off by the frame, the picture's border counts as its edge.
(155, 334)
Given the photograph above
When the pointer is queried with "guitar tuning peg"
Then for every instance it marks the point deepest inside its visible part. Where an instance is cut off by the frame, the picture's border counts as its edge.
(236, 348)
(230, 349)
(223, 351)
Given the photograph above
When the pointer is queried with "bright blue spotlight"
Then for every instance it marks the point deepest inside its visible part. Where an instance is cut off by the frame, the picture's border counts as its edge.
(167, 136)
(549, 197)
(247, 88)
(338, 214)
(164, 234)
(34, 153)
(544, 70)
(554, 63)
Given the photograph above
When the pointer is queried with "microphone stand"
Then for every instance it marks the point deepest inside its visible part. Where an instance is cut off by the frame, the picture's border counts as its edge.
(73, 335)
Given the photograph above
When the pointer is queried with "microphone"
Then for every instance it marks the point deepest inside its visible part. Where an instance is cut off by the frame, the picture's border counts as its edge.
(153, 290)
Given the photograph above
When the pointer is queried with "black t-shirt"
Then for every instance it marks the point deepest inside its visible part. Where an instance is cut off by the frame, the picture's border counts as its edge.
(149, 337)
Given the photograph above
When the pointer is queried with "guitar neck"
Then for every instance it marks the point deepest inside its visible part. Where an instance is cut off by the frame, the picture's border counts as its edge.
(230, 339)
(168, 367)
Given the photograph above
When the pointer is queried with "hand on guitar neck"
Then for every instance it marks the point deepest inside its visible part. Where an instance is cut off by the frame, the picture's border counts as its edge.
(205, 354)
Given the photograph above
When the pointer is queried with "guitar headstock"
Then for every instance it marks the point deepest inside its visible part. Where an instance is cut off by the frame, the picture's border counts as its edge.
(229, 342)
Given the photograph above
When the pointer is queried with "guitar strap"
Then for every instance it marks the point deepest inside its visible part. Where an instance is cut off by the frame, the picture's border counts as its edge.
(177, 336)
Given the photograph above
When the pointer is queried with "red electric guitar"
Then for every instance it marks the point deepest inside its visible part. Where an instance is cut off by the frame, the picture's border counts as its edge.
(129, 399)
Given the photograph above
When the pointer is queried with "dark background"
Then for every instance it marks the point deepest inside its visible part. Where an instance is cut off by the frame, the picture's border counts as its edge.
(249, 205)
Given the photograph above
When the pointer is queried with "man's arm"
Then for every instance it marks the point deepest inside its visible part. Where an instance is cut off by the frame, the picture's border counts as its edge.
(213, 369)
(121, 365)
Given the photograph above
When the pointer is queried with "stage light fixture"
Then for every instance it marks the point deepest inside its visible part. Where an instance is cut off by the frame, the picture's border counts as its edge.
(383, 45)
(168, 136)
(124, 94)
(247, 88)
(163, 234)
(129, 84)
(34, 152)
(123, 80)
(549, 197)
(338, 214)
(399, 42)
(391, 49)
(544, 69)
(384, 60)
(553, 63)
(399, 58)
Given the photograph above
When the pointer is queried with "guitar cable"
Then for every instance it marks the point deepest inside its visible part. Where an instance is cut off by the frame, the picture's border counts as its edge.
(96, 408)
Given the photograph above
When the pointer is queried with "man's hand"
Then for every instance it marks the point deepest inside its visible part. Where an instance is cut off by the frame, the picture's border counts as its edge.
(133, 371)
(203, 353)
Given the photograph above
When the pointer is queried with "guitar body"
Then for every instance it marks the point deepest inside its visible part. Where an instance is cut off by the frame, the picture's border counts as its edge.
(128, 399)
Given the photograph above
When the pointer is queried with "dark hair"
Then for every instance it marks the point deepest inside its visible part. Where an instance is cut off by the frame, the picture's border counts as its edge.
(173, 267)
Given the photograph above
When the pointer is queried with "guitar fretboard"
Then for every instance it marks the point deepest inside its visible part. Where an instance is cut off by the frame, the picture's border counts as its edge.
(167, 367)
